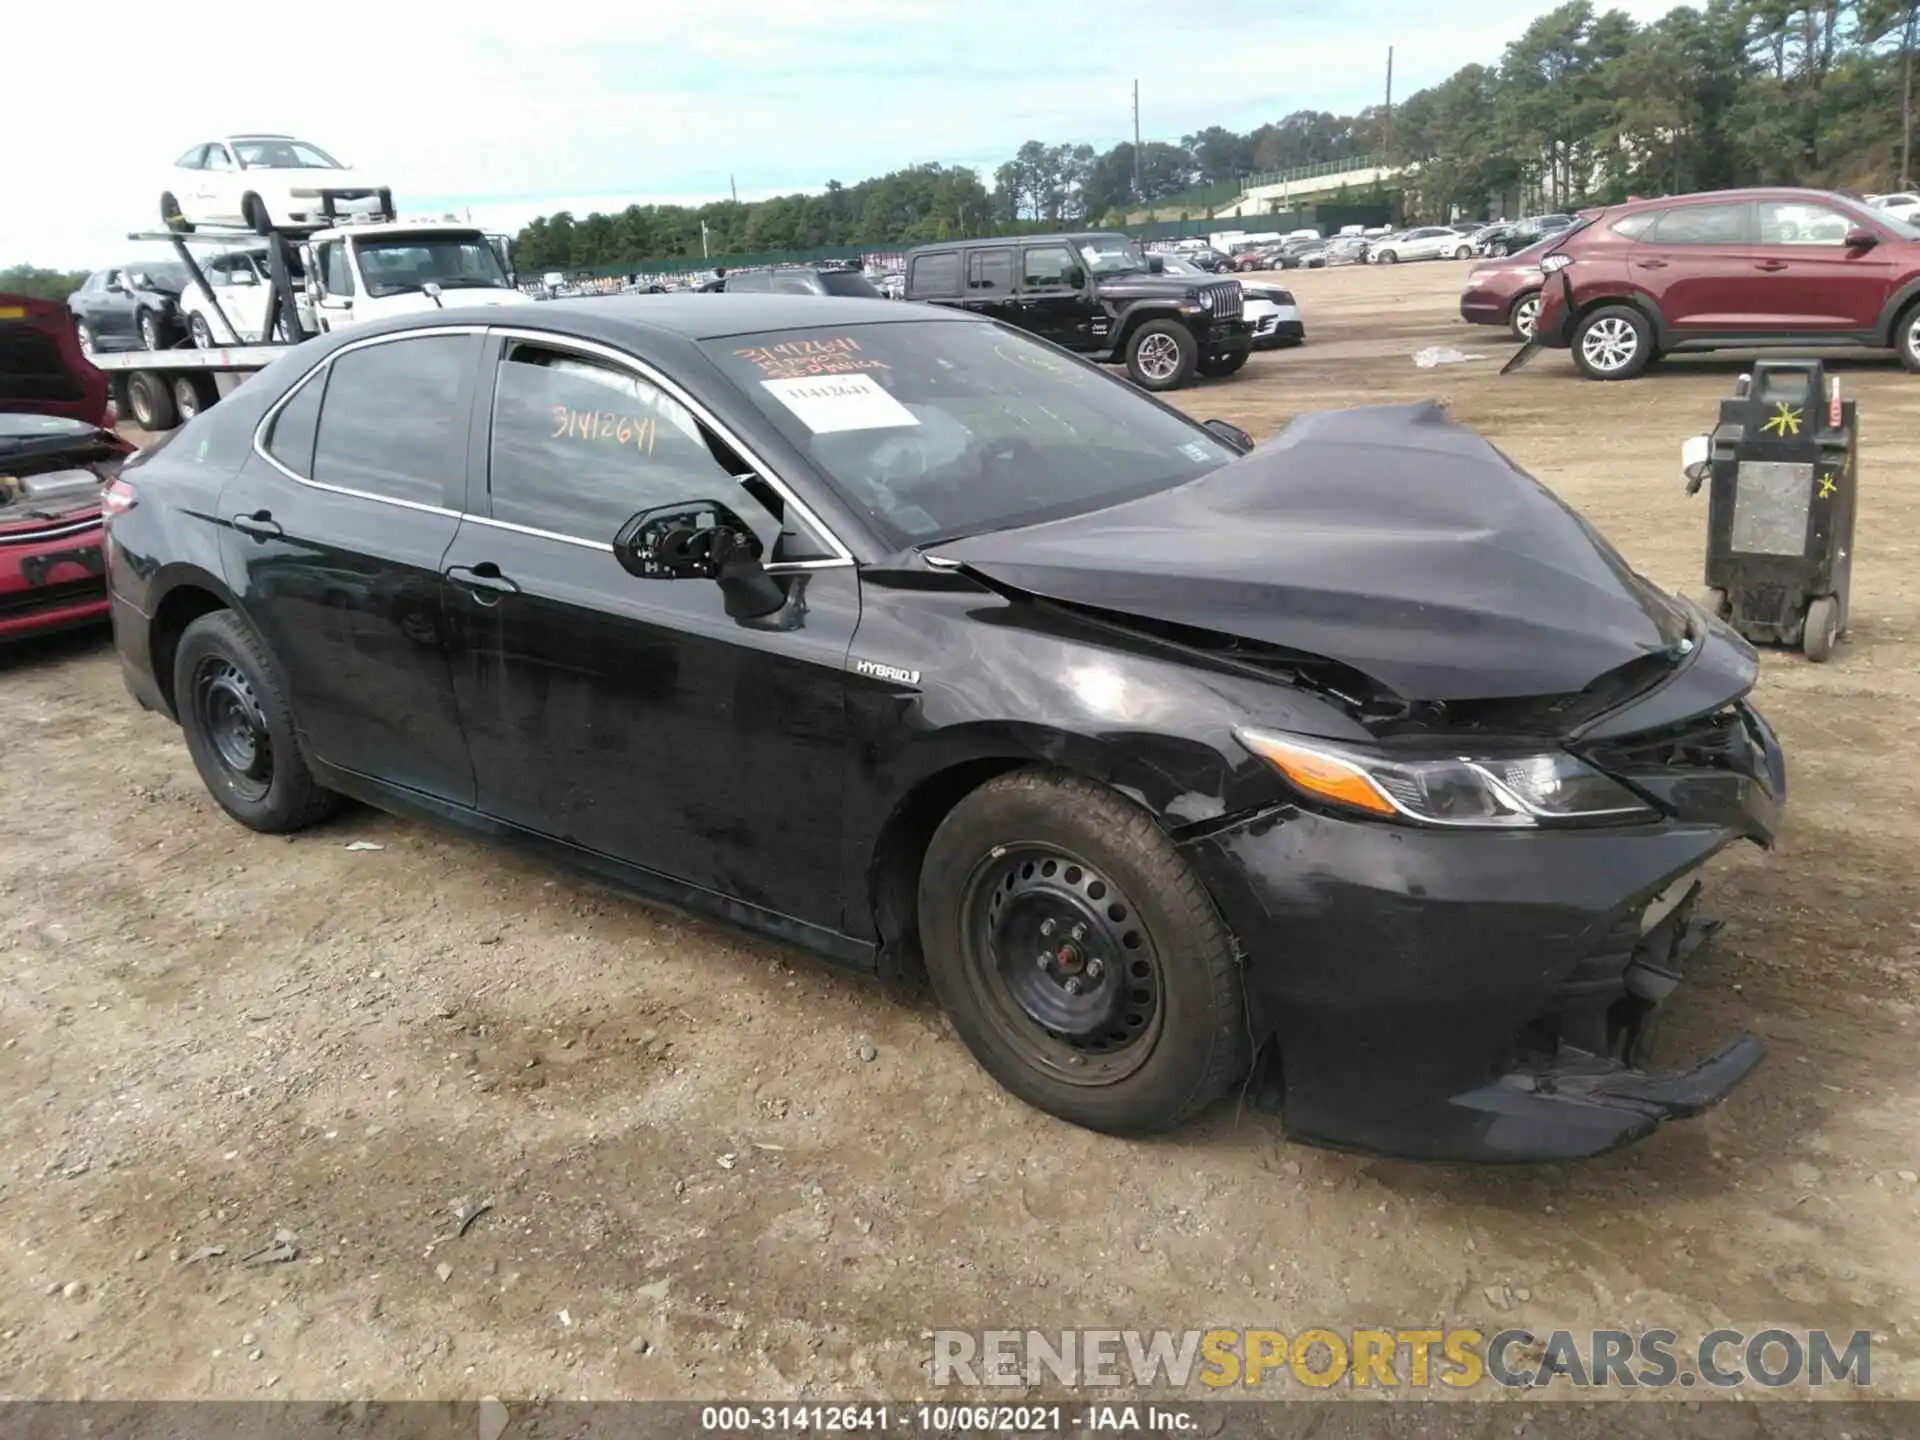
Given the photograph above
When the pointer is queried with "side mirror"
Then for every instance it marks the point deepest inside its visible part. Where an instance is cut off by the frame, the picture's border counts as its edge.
(432, 292)
(1076, 277)
(700, 540)
(1156, 265)
(1234, 436)
(245, 277)
(1861, 238)
(1696, 458)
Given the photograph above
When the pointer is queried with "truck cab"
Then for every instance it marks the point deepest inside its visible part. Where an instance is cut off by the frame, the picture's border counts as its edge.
(356, 273)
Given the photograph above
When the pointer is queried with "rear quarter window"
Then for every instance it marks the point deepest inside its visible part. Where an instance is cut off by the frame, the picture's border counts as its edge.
(935, 274)
(1632, 227)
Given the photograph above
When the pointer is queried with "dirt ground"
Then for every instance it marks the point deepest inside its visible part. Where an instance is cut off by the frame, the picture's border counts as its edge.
(699, 1184)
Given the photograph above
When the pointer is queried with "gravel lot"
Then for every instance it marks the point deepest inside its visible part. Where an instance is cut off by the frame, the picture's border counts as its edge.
(699, 1184)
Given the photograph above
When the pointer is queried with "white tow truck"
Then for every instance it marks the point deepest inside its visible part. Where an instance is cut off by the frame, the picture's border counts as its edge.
(298, 284)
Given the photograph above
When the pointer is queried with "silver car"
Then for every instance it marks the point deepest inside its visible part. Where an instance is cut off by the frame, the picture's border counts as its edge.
(1428, 242)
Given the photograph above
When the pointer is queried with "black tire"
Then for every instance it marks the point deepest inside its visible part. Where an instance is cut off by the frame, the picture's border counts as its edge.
(151, 332)
(1521, 315)
(1463, 252)
(225, 683)
(1170, 355)
(1388, 257)
(1714, 601)
(170, 215)
(1613, 342)
(150, 402)
(1499, 247)
(89, 339)
(193, 393)
(201, 332)
(1822, 629)
(1158, 1026)
(1906, 337)
(1230, 364)
(254, 210)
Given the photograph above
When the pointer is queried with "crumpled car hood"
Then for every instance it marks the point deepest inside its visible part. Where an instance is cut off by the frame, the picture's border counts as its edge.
(1389, 539)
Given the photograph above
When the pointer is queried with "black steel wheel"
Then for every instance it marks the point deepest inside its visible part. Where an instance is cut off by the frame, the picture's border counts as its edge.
(1079, 956)
(240, 730)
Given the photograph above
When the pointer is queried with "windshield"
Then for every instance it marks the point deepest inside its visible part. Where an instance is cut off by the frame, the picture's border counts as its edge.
(169, 275)
(848, 282)
(453, 262)
(282, 155)
(938, 429)
(1110, 254)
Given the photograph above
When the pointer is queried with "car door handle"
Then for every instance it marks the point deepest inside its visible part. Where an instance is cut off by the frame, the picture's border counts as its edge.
(1771, 265)
(1651, 264)
(260, 524)
(484, 579)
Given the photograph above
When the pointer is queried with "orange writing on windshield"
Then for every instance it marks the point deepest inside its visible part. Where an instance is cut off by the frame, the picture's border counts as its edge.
(799, 359)
(604, 425)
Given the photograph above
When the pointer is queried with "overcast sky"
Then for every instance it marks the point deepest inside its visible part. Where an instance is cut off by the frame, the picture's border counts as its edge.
(602, 103)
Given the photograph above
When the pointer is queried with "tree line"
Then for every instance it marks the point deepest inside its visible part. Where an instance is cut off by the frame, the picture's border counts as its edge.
(1587, 106)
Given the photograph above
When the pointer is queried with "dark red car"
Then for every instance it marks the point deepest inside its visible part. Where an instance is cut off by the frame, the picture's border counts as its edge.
(1505, 292)
(1729, 269)
(57, 449)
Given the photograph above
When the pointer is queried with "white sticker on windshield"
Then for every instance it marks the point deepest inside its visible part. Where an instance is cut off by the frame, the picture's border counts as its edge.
(1093, 255)
(826, 403)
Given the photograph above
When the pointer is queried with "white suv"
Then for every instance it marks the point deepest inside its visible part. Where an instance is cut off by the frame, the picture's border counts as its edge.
(264, 181)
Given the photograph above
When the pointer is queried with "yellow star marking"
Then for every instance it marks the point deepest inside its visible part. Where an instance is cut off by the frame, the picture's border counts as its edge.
(1785, 421)
(1827, 487)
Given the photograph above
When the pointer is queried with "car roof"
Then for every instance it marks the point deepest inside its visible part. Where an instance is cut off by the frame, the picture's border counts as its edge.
(684, 315)
(1756, 192)
(1064, 237)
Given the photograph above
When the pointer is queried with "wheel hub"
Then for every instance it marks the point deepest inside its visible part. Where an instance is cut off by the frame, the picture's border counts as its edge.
(235, 726)
(1071, 953)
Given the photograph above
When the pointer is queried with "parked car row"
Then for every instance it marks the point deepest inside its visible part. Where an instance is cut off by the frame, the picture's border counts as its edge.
(1740, 269)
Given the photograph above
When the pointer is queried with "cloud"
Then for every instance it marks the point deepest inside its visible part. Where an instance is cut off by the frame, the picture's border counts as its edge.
(520, 111)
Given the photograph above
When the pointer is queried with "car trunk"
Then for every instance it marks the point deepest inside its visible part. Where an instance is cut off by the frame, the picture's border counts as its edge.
(42, 371)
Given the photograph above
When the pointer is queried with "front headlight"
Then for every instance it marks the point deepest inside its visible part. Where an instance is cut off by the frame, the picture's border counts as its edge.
(1490, 792)
(1206, 300)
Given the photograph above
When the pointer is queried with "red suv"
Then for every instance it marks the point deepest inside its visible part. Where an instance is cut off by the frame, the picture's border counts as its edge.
(1729, 269)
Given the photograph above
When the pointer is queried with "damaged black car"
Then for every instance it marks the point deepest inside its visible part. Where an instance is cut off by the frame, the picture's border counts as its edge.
(1354, 772)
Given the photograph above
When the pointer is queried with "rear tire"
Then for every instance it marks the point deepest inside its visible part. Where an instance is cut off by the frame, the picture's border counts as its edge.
(193, 393)
(1463, 252)
(254, 209)
(1145, 1022)
(1521, 316)
(202, 332)
(1822, 630)
(1161, 355)
(170, 216)
(1613, 342)
(1906, 338)
(150, 402)
(240, 729)
(148, 325)
(1388, 257)
(89, 341)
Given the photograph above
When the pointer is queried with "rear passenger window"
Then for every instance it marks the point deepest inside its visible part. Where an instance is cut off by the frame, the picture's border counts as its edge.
(747, 281)
(936, 274)
(1702, 225)
(290, 441)
(792, 283)
(390, 425)
(580, 447)
(990, 271)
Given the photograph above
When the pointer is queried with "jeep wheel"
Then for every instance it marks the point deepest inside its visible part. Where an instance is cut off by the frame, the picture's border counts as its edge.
(1613, 343)
(1079, 956)
(1520, 318)
(1162, 355)
(1906, 338)
(1227, 364)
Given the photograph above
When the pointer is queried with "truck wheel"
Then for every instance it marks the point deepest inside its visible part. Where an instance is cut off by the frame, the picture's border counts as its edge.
(1613, 343)
(254, 209)
(1079, 956)
(193, 393)
(171, 217)
(1520, 318)
(240, 730)
(1161, 355)
(1822, 630)
(150, 401)
(1224, 364)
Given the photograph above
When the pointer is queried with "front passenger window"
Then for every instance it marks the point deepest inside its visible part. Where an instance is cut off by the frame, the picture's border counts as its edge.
(1049, 268)
(1793, 222)
(580, 447)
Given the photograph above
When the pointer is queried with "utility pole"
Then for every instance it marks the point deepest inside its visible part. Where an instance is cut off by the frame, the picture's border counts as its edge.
(1388, 142)
(1139, 191)
(734, 188)
(1906, 94)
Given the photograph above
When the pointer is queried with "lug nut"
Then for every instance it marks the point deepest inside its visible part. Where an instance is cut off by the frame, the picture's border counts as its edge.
(1042, 959)
(1080, 932)
(1073, 985)
(1047, 927)
(1095, 968)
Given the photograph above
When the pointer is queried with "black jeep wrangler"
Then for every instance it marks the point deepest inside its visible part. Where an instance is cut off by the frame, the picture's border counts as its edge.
(1096, 294)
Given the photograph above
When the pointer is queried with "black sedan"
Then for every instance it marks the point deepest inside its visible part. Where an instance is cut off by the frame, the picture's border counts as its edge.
(130, 307)
(1355, 767)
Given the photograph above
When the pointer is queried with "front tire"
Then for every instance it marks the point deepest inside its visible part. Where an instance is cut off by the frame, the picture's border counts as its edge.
(1906, 339)
(1613, 342)
(1822, 629)
(202, 332)
(170, 216)
(1079, 956)
(89, 341)
(254, 210)
(1162, 355)
(1388, 257)
(1463, 252)
(148, 325)
(240, 729)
